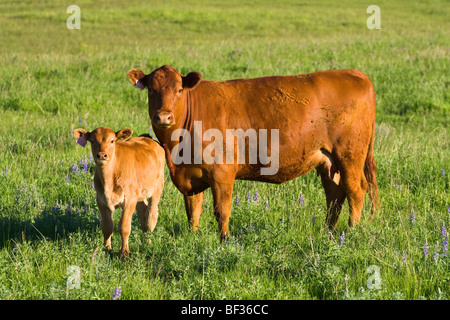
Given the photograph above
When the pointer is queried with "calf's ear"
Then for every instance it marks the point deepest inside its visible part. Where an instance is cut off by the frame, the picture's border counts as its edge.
(82, 136)
(137, 78)
(191, 80)
(124, 134)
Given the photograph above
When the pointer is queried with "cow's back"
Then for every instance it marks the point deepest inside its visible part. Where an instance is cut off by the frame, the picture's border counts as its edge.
(278, 101)
(310, 112)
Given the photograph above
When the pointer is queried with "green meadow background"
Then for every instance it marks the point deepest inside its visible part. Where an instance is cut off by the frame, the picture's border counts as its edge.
(53, 79)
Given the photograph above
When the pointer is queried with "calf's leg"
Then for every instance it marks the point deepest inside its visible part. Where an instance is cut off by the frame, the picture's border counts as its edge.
(142, 209)
(148, 213)
(107, 223)
(153, 202)
(125, 225)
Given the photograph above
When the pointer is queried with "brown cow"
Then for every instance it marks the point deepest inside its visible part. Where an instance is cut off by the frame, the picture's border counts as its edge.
(325, 121)
(129, 175)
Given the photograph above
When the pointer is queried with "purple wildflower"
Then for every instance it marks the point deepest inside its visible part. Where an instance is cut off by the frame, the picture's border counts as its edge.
(425, 249)
(300, 200)
(266, 204)
(69, 207)
(341, 239)
(80, 121)
(56, 207)
(249, 196)
(436, 253)
(251, 226)
(67, 179)
(75, 168)
(442, 172)
(413, 216)
(6, 171)
(117, 293)
(443, 230)
(404, 257)
(90, 157)
(448, 209)
(257, 196)
(237, 201)
(444, 246)
(83, 162)
(314, 220)
(93, 185)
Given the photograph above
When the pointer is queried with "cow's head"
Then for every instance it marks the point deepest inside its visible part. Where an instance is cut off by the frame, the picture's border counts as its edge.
(166, 92)
(103, 142)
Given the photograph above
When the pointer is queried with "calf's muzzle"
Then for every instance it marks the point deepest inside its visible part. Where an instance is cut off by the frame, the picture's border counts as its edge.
(102, 156)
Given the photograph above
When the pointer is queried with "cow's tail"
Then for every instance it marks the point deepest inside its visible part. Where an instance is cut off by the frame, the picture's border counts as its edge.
(370, 172)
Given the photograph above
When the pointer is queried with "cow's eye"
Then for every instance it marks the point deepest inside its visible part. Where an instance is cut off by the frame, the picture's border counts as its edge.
(112, 141)
(180, 91)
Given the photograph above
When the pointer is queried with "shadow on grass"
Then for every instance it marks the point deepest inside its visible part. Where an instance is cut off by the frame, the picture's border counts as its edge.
(50, 223)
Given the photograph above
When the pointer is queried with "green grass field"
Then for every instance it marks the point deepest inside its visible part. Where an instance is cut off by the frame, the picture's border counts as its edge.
(53, 80)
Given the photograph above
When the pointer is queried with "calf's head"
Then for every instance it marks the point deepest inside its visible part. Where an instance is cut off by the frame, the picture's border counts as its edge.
(166, 92)
(103, 142)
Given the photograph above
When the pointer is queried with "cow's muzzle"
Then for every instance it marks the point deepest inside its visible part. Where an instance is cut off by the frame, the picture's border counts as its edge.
(164, 119)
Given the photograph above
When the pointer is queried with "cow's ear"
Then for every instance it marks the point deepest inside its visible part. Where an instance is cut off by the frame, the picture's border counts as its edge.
(82, 136)
(138, 78)
(124, 134)
(191, 80)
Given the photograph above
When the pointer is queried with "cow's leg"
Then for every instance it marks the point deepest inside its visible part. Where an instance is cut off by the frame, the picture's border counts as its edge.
(335, 196)
(222, 193)
(107, 223)
(193, 206)
(355, 184)
(125, 225)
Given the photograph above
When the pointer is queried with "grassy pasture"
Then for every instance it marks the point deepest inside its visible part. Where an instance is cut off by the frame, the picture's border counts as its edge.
(53, 80)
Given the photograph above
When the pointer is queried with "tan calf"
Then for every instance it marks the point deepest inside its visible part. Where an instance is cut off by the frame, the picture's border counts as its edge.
(128, 174)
